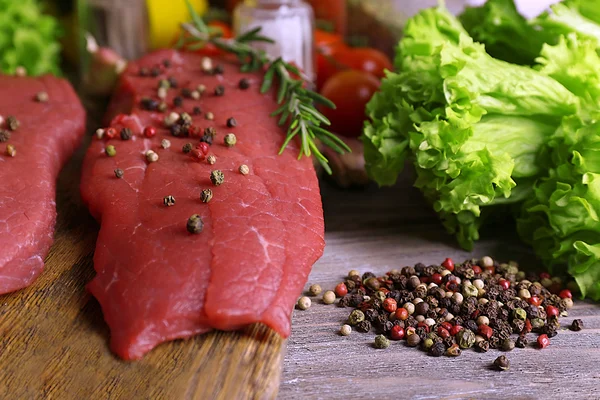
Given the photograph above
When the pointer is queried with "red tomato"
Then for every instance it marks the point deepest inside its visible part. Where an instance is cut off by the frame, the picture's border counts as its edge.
(350, 91)
(366, 59)
(327, 46)
(339, 57)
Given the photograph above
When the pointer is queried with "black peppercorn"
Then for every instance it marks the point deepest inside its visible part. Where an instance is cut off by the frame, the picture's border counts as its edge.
(244, 84)
(186, 92)
(577, 325)
(482, 346)
(438, 349)
(126, 134)
(522, 342)
(501, 363)
(219, 90)
(421, 308)
(4, 135)
(371, 314)
(177, 101)
(364, 326)
(219, 69)
(144, 72)
(172, 82)
(195, 224)
(154, 72)
(197, 110)
(231, 122)
(149, 104)
(175, 130)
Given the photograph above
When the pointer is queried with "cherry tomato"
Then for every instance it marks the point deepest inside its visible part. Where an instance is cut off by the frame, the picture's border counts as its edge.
(365, 59)
(350, 91)
(328, 46)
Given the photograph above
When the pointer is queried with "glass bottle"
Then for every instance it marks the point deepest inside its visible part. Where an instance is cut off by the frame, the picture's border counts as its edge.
(289, 22)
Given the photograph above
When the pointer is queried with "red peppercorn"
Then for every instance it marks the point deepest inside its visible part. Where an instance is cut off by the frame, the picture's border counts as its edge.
(552, 311)
(535, 301)
(504, 284)
(436, 278)
(390, 305)
(443, 333)
(203, 147)
(424, 279)
(397, 333)
(110, 133)
(446, 325)
(476, 269)
(528, 327)
(149, 131)
(423, 325)
(490, 270)
(455, 329)
(195, 131)
(543, 341)
(448, 264)
(198, 154)
(402, 314)
(565, 294)
(485, 331)
(544, 275)
(341, 290)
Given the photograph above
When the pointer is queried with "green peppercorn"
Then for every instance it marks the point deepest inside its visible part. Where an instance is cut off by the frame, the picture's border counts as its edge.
(110, 150)
(381, 342)
(413, 340)
(508, 344)
(537, 323)
(217, 177)
(372, 283)
(206, 195)
(314, 290)
(465, 338)
(519, 313)
(427, 344)
(12, 123)
(501, 363)
(453, 351)
(4, 135)
(195, 224)
(188, 147)
(470, 291)
(230, 140)
(379, 295)
(355, 317)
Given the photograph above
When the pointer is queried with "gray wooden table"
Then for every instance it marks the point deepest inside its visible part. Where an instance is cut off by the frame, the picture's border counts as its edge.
(377, 230)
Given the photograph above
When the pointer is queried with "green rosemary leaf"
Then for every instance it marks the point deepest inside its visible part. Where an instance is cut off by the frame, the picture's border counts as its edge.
(323, 133)
(292, 68)
(290, 136)
(282, 91)
(248, 36)
(314, 113)
(284, 117)
(198, 22)
(330, 143)
(318, 98)
(267, 80)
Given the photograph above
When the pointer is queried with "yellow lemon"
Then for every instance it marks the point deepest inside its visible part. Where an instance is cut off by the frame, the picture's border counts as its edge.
(165, 17)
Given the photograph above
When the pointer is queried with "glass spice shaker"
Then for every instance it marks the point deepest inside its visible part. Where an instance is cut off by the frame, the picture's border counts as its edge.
(289, 22)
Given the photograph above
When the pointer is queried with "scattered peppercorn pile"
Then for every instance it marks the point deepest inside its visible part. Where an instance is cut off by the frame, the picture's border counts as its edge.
(444, 309)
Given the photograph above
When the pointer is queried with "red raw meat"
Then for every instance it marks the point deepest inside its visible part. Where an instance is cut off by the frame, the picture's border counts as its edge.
(47, 136)
(262, 232)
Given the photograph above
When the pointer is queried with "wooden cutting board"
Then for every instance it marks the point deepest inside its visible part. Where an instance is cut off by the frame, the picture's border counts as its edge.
(54, 342)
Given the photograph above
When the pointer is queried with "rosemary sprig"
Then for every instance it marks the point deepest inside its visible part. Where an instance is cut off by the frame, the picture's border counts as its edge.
(297, 103)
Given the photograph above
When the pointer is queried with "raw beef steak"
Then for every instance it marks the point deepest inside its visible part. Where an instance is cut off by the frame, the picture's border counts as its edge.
(48, 132)
(262, 231)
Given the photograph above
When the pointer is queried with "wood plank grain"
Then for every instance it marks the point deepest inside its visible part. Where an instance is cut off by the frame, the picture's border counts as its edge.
(321, 364)
(54, 342)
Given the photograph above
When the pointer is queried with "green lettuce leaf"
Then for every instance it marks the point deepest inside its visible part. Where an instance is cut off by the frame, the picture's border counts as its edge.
(574, 62)
(568, 16)
(507, 35)
(562, 219)
(28, 38)
(471, 124)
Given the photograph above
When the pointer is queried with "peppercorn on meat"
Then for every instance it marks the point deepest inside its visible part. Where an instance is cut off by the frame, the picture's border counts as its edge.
(235, 241)
(41, 124)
